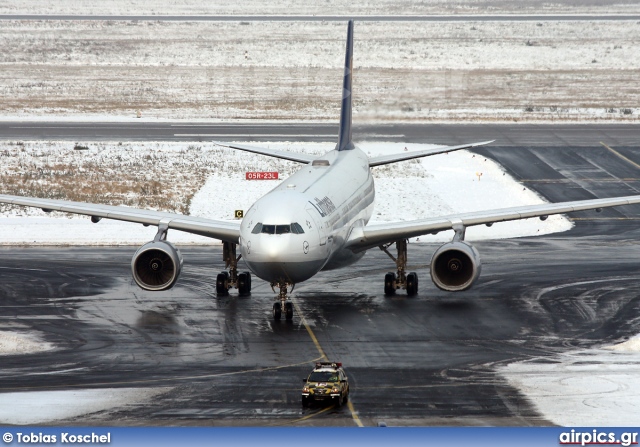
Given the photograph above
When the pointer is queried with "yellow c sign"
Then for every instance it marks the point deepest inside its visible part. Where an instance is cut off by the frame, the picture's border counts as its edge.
(239, 214)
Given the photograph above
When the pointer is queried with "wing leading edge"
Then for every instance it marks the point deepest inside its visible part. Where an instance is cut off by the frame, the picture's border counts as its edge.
(363, 238)
(225, 231)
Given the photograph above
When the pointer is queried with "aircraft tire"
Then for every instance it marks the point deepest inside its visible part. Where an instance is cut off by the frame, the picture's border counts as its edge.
(244, 284)
(412, 284)
(389, 280)
(277, 311)
(221, 284)
(248, 280)
(288, 311)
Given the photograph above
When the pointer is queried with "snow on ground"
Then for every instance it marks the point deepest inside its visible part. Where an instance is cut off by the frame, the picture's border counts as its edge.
(42, 407)
(437, 185)
(301, 7)
(588, 388)
(17, 342)
(631, 345)
(549, 70)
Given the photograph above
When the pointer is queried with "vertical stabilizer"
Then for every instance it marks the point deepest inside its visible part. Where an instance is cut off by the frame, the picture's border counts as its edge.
(344, 140)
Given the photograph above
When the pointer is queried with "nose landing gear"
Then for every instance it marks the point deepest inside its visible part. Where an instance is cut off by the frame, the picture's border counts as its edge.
(230, 279)
(282, 301)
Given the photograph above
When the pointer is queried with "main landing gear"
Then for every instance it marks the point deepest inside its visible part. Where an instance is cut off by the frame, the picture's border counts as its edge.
(230, 279)
(282, 303)
(400, 280)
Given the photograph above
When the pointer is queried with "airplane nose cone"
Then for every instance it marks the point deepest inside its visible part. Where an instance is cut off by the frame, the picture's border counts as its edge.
(275, 250)
(280, 258)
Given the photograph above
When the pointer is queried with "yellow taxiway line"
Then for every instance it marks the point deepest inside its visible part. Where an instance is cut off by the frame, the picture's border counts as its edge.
(621, 156)
(311, 334)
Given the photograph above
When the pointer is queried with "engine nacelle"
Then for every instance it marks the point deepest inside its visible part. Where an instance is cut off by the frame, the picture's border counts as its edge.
(455, 266)
(156, 265)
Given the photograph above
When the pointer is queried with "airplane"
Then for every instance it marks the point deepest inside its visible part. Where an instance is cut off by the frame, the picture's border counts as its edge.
(316, 220)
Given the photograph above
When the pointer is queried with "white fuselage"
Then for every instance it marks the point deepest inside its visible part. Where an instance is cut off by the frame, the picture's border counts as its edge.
(301, 226)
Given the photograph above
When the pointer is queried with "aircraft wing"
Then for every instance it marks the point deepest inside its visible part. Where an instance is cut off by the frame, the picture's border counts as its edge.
(363, 238)
(217, 229)
(394, 158)
(291, 156)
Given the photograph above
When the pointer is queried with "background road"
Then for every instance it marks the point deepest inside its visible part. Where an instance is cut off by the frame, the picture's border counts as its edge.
(328, 18)
(540, 135)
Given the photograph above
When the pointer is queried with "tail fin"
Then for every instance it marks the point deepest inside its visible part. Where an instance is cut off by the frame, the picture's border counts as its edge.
(344, 140)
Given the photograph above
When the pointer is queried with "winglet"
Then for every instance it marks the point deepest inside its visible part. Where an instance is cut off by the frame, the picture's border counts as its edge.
(344, 140)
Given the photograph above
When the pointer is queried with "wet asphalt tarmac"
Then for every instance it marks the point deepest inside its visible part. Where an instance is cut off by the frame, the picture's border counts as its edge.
(426, 360)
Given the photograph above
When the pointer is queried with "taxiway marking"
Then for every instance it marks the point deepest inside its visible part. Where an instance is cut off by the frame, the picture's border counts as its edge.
(621, 156)
(311, 334)
(168, 379)
(604, 218)
(309, 416)
(245, 136)
(566, 180)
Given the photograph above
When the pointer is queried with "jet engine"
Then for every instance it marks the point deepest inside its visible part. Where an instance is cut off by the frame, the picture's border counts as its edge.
(455, 266)
(156, 265)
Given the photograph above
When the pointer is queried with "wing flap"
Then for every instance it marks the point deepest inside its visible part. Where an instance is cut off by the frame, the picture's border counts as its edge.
(377, 234)
(217, 229)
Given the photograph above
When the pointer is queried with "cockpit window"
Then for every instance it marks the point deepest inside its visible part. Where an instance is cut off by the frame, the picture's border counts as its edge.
(294, 228)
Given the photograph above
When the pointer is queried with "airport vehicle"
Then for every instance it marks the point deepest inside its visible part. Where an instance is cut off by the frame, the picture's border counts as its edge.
(326, 383)
(323, 226)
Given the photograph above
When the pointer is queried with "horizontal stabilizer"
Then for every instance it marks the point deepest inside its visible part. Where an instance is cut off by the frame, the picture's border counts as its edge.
(394, 158)
(291, 156)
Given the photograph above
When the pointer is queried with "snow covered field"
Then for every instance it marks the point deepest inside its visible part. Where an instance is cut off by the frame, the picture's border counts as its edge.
(208, 181)
(464, 71)
(335, 7)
